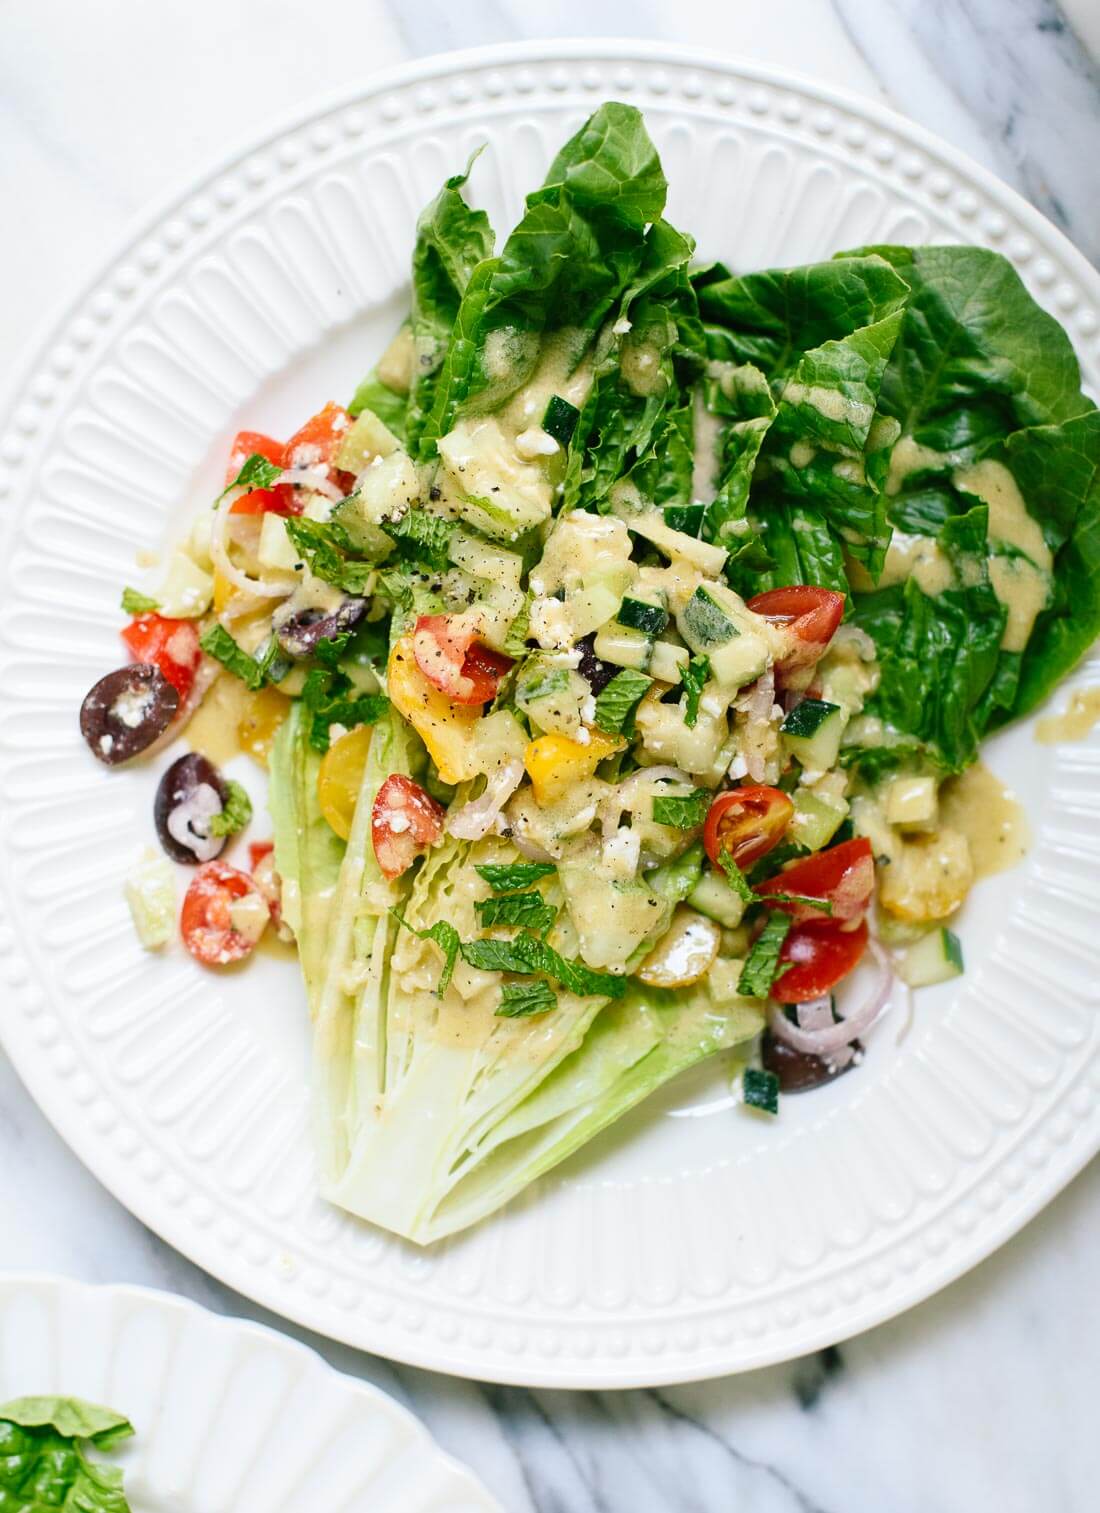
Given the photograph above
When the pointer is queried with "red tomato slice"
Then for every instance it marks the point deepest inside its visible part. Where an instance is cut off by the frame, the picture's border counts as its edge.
(280, 500)
(820, 953)
(746, 823)
(404, 822)
(171, 645)
(258, 850)
(456, 664)
(223, 915)
(845, 875)
(320, 436)
(810, 615)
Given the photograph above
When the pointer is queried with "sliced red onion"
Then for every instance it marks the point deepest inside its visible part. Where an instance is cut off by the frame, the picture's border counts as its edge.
(855, 635)
(479, 816)
(854, 1021)
(815, 1013)
(306, 478)
(263, 588)
(528, 848)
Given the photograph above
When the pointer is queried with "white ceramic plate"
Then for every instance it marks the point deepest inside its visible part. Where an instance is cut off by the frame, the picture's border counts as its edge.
(227, 1415)
(675, 1247)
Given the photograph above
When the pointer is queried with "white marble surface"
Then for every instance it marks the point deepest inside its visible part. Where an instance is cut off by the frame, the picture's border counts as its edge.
(982, 1398)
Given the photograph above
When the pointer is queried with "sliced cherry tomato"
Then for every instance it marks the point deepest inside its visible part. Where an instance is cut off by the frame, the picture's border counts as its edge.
(745, 824)
(257, 850)
(810, 615)
(281, 500)
(171, 645)
(454, 662)
(223, 915)
(820, 953)
(340, 778)
(844, 875)
(404, 822)
(318, 439)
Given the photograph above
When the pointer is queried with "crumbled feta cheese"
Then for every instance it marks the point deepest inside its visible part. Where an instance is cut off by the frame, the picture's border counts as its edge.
(582, 736)
(739, 768)
(588, 709)
(621, 326)
(621, 852)
(550, 624)
(397, 823)
(336, 732)
(131, 707)
(711, 704)
(535, 442)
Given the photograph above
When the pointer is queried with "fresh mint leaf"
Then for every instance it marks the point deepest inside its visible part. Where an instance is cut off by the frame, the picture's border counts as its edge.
(615, 704)
(134, 603)
(736, 878)
(529, 909)
(219, 644)
(762, 963)
(519, 999)
(822, 905)
(256, 473)
(694, 677)
(422, 538)
(761, 1090)
(528, 954)
(325, 545)
(446, 938)
(331, 649)
(272, 661)
(510, 877)
(682, 811)
(236, 813)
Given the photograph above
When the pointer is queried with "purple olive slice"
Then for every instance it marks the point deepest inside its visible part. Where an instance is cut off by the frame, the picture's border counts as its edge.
(189, 796)
(299, 634)
(799, 1071)
(127, 711)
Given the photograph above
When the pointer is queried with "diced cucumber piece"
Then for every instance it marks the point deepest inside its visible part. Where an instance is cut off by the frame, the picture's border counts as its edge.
(637, 614)
(366, 438)
(592, 606)
(482, 559)
(150, 892)
(816, 819)
(624, 647)
(716, 624)
(685, 517)
(912, 802)
(667, 661)
(710, 560)
(368, 539)
(714, 897)
(551, 696)
(812, 732)
(560, 419)
(936, 958)
(187, 590)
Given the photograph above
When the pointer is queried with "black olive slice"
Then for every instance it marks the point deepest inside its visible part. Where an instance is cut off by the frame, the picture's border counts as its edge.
(190, 794)
(127, 711)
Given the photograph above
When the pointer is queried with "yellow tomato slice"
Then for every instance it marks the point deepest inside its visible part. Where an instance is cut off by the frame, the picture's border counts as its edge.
(259, 724)
(341, 777)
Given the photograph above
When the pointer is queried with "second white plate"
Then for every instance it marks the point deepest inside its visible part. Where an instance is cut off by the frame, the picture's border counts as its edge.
(691, 1240)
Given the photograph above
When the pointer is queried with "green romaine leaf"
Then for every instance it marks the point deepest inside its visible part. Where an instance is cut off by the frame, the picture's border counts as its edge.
(762, 963)
(760, 1090)
(694, 678)
(326, 547)
(134, 603)
(237, 812)
(218, 643)
(682, 811)
(529, 909)
(390, 406)
(518, 1000)
(510, 877)
(616, 702)
(43, 1464)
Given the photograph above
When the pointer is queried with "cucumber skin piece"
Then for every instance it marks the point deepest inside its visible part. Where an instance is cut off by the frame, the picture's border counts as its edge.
(707, 623)
(623, 646)
(818, 752)
(559, 419)
(806, 719)
(937, 957)
(636, 614)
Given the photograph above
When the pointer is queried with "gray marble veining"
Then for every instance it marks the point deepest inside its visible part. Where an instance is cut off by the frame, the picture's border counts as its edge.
(980, 1399)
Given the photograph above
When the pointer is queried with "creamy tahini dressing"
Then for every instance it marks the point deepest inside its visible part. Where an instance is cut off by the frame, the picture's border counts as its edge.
(988, 813)
(564, 367)
(830, 403)
(212, 729)
(908, 457)
(916, 557)
(1075, 721)
(1022, 584)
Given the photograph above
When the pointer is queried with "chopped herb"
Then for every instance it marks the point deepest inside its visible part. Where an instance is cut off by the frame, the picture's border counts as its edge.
(528, 954)
(134, 603)
(518, 999)
(325, 695)
(330, 650)
(273, 661)
(682, 811)
(529, 909)
(324, 545)
(615, 705)
(952, 948)
(822, 905)
(236, 813)
(509, 877)
(422, 538)
(541, 683)
(218, 643)
(256, 473)
(736, 878)
(560, 419)
(761, 1090)
(446, 938)
(515, 643)
(694, 677)
(762, 963)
